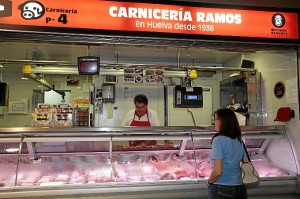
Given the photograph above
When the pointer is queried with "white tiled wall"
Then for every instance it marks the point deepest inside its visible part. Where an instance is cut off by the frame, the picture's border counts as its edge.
(276, 67)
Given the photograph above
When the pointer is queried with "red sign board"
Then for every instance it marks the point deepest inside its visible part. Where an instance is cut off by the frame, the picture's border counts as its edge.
(145, 17)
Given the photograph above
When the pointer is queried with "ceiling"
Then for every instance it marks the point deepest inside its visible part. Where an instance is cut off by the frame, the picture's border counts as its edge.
(13, 55)
(127, 50)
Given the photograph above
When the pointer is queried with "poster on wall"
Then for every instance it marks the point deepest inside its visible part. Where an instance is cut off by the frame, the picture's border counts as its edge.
(128, 94)
(291, 91)
(154, 76)
(49, 15)
(133, 75)
(18, 106)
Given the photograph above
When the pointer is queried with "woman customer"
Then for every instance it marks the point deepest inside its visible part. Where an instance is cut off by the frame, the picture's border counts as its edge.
(225, 180)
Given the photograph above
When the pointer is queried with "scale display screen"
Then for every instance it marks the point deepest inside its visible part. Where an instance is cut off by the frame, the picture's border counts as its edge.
(192, 97)
(188, 97)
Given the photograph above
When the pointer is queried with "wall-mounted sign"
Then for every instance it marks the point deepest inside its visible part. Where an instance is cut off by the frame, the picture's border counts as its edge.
(133, 75)
(279, 90)
(144, 17)
(154, 76)
(18, 106)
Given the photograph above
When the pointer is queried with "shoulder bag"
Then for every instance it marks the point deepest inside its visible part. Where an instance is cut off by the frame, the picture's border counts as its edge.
(249, 174)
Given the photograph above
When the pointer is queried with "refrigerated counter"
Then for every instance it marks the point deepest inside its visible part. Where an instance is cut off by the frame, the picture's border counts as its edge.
(163, 162)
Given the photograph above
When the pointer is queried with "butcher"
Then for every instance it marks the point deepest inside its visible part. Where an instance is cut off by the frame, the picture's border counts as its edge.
(141, 116)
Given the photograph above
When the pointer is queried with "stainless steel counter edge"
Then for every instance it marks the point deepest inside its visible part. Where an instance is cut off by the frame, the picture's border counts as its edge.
(132, 130)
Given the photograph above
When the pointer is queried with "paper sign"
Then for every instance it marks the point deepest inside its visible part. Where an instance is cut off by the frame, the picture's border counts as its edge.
(291, 91)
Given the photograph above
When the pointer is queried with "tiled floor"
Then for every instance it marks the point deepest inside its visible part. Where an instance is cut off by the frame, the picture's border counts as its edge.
(275, 197)
(98, 196)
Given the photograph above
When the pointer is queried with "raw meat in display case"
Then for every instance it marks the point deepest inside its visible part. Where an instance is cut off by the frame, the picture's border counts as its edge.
(77, 178)
(29, 177)
(130, 168)
(175, 169)
(126, 168)
(154, 167)
(203, 168)
(266, 169)
(45, 173)
(44, 180)
(62, 172)
(135, 172)
(99, 173)
(7, 178)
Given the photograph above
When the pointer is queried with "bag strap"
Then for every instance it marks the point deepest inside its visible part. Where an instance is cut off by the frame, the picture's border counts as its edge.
(246, 150)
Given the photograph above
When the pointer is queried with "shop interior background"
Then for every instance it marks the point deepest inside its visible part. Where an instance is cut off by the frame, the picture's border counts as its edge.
(273, 64)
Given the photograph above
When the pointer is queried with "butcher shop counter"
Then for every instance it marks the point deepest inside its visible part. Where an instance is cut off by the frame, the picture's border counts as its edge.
(133, 162)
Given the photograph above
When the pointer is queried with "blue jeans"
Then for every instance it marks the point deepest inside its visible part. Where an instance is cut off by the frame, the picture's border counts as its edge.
(216, 191)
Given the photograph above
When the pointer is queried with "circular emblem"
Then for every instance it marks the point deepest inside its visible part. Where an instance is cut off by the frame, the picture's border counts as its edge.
(278, 20)
(279, 90)
(32, 10)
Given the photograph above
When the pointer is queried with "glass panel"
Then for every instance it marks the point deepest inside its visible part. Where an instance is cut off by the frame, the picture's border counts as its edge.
(202, 144)
(155, 160)
(86, 162)
(298, 75)
(71, 163)
(146, 145)
(11, 148)
(272, 157)
(277, 160)
(254, 143)
(69, 147)
(153, 167)
(203, 164)
(8, 164)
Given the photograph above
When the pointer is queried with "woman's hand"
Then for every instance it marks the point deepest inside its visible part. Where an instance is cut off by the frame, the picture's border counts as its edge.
(209, 183)
(216, 172)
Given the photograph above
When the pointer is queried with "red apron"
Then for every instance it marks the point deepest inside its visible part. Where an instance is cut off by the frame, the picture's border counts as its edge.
(141, 123)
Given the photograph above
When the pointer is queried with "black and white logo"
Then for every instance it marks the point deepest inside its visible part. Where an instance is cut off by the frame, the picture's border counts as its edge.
(5, 8)
(278, 20)
(32, 10)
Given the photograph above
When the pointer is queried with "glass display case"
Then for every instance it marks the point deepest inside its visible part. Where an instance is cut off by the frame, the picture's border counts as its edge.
(131, 162)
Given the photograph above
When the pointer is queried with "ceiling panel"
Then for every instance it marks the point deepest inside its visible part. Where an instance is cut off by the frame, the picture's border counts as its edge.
(136, 54)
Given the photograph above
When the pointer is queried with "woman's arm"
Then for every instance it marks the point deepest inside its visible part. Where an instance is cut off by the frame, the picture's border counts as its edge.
(216, 172)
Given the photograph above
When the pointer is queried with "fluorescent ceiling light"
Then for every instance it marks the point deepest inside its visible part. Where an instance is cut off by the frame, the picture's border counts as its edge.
(11, 150)
(234, 74)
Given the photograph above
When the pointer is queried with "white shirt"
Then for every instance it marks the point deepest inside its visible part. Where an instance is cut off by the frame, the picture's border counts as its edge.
(152, 115)
(241, 119)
